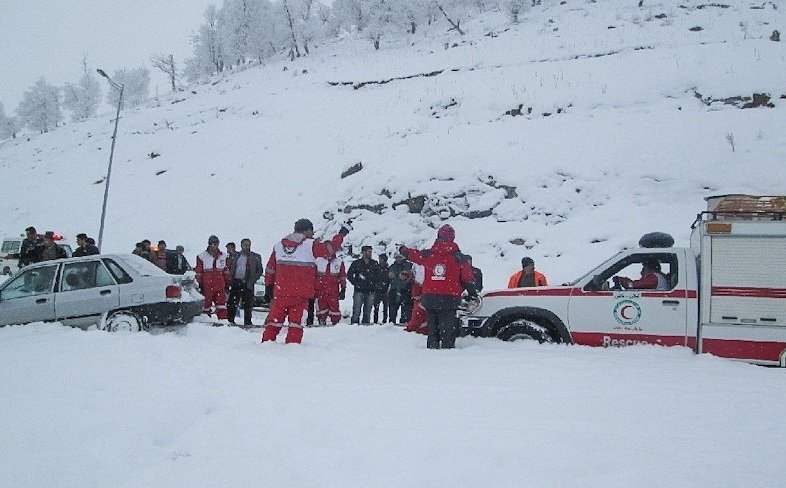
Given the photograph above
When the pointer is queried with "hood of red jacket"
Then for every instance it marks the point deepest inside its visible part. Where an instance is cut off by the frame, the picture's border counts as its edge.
(293, 240)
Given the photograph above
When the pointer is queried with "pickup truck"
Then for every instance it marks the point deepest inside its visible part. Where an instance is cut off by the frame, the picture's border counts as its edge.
(724, 295)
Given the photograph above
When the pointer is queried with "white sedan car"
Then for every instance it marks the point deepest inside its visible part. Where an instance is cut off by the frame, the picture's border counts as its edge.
(112, 291)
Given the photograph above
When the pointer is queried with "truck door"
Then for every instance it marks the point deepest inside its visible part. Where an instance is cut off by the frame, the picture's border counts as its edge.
(743, 312)
(602, 314)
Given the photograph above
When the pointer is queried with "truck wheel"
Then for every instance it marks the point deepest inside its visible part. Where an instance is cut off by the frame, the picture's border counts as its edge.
(122, 321)
(523, 329)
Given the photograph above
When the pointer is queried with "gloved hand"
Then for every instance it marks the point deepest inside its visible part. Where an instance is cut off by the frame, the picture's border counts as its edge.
(346, 227)
(268, 293)
(342, 294)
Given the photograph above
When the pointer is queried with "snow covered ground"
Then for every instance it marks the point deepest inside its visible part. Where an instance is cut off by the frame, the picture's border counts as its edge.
(627, 134)
(370, 406)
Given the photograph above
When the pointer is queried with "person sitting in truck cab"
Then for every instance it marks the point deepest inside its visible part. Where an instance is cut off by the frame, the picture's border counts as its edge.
(651, 278)
(527, 276)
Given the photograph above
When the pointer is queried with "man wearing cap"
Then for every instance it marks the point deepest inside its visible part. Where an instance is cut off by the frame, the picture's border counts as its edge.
(447, 274)
(212, 275)
(51, 250)
(290, 278)
(84, 248)
(527, 276)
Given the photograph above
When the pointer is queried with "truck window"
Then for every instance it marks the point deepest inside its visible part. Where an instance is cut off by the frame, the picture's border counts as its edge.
(11, 246)
(631, 267)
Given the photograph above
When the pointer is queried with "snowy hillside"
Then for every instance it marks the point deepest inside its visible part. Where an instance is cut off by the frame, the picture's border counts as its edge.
(564, 138)
(622, 132)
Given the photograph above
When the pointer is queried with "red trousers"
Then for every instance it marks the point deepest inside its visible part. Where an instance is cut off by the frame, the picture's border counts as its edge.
(327, 304)
(283, 308)
(218, 297)
(417, 321)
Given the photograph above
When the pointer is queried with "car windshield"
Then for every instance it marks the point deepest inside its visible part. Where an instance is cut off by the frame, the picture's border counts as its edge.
(11, 246)
(142, 265)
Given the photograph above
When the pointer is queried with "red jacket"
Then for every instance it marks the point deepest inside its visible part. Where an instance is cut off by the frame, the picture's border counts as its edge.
(447, 270)
(292, 265)
(211, 271)
(331, 276)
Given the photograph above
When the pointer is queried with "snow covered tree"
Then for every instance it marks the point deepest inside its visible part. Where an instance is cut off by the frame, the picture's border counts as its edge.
(82, 99)
(166, 63)
(349, 16)
(208, 48)
(40, 108)
(137, 86)
(8, 125)
(515, 8)
(450, 10)
(383, 17)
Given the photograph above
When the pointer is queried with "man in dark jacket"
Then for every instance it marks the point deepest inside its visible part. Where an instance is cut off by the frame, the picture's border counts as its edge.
(176, 262)
(381, 293)
(448, 273)
(477, 273)
(400, 295)
(246, 269)
(364, 275)
(30, 251)
(51, 250)
(84, 248)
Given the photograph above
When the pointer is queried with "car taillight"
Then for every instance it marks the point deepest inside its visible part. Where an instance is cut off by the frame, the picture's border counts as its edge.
(173, 291)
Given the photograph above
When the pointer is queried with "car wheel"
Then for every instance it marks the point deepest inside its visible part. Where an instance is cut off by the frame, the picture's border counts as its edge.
(525, 330)
(122, 321)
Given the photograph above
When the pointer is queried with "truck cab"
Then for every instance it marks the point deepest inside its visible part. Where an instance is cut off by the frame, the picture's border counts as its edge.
(725, 295)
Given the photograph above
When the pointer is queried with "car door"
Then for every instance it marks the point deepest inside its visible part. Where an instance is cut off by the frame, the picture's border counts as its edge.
(602, 316)
(29, 297)
(86, 291)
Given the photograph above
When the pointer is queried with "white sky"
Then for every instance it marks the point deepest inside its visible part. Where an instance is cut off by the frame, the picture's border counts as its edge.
(49, 37)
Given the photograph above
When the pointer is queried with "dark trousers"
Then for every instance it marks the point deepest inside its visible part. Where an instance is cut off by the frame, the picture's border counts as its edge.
(380, 299)
(310, 316)
(399, 299)
(442, 328)
(237, 293)
(362, 301)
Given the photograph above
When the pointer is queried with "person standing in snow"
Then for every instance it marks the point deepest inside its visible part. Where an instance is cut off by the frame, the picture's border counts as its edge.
(400, 295)
(212, 275)
(381, 293)
(160, 255)
(364, 275)
(418, 319)
(527, 276)
(290, 278)
(177, 263)
(331, 285)
(84, 248)
(30, 252)
(246, 269)
(477, 273)
(447, 274)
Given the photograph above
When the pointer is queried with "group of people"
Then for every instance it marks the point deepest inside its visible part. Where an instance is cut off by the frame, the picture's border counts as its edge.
(422, 288)
(171, 261)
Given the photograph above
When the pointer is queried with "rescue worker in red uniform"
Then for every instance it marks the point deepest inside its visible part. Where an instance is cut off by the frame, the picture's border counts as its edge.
(447, 274)
(212, 274)
(418, 319)
(290, 278)
(331, 285)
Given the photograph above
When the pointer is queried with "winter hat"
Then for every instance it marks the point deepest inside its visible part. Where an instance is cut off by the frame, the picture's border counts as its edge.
(446, 233)
(212, 240)
(303, 225)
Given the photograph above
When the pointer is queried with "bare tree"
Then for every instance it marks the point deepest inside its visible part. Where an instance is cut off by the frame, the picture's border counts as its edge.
(166, 63)
(454, 24)
(296, 50)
